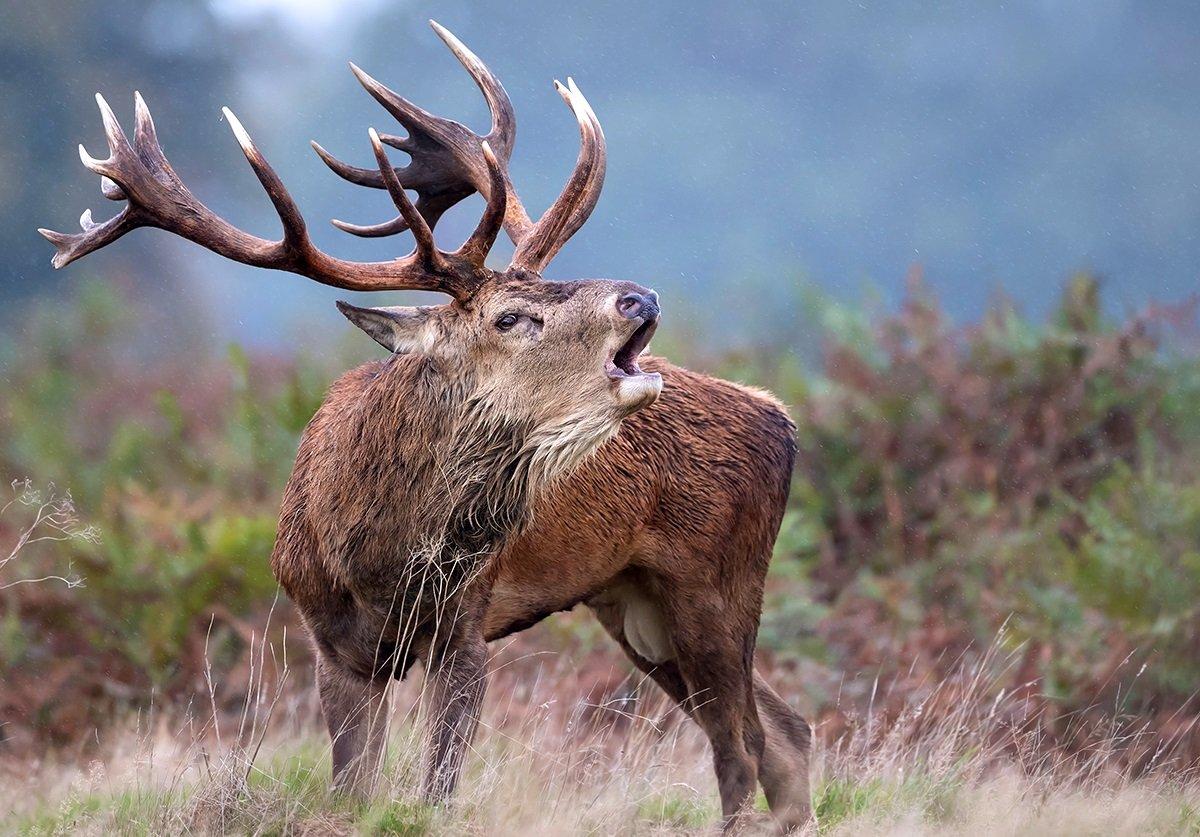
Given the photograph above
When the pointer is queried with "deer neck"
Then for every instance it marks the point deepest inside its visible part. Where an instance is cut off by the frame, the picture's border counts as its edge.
(457, 469)
(469, 466)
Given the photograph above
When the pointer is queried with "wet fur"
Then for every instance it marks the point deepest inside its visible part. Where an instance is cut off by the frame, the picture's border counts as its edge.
(683, 506)
(404, 484)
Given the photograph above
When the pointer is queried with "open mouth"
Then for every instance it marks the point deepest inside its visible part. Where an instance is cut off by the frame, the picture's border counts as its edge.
(624, 361)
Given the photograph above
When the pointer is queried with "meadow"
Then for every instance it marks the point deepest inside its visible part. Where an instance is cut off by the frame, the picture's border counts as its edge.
(985, 595)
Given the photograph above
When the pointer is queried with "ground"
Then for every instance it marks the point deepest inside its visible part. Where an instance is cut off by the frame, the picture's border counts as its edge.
(567, 748)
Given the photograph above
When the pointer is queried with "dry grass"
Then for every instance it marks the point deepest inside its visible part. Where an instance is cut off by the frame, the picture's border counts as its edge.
(539, 766)
(50, 517)
(957, 762)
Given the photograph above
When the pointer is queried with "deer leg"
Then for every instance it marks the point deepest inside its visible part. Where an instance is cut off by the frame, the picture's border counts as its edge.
(355, 710)
(455, 684)
(721, 701)
(708, 676)
(783, 770)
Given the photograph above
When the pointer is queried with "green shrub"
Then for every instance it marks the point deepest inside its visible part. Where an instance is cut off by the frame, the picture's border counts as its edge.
(950, 481)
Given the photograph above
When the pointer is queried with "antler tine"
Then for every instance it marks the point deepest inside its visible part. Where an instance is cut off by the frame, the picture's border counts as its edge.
(145, 137)
(578, 197)
(111, 190)
(414, 119)
(426, 250)
(595, 181)
(295, 232)
(119, 151)
(476, 248)
(398, 143)
(118, 143)
(503, 132)
(356, 175)
(381, 230)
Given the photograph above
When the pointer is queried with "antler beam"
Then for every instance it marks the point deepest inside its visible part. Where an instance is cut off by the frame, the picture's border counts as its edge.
(449, 162)
(140, 174)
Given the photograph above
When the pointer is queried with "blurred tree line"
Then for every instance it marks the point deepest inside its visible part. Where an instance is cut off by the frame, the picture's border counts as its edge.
(53, 56)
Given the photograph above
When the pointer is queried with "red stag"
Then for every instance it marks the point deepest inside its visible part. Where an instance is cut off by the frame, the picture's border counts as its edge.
(475, 482)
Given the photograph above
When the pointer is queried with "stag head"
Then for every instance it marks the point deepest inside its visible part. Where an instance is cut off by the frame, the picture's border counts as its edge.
(543, 350)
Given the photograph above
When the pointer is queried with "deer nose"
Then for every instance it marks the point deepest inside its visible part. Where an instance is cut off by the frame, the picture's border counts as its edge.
(634, 304)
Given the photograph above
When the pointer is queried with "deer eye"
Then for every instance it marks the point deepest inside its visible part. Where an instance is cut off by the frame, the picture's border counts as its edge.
(507, 321)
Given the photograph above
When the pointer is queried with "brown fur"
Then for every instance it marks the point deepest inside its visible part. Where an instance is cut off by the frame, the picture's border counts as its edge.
(681, 508)
(445, 496)
(685, 504)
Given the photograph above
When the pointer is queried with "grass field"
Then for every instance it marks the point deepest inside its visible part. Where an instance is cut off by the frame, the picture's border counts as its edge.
(548, 761)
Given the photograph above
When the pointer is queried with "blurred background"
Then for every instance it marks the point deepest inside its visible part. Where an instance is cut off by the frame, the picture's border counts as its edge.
(750, 144)
(959, 242)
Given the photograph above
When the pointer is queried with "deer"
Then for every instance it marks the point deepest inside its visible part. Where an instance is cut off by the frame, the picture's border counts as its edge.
(517, 453)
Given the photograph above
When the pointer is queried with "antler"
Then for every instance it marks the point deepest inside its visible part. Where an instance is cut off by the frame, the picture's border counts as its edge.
(447, 163)
(141, 175)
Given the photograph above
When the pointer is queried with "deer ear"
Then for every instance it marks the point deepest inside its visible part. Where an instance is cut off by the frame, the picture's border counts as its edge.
(399, 329)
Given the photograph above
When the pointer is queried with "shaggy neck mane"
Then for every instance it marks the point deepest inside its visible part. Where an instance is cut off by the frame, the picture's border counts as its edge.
(463, 466)
(457, 475)
(472, 471)
(444, 477)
